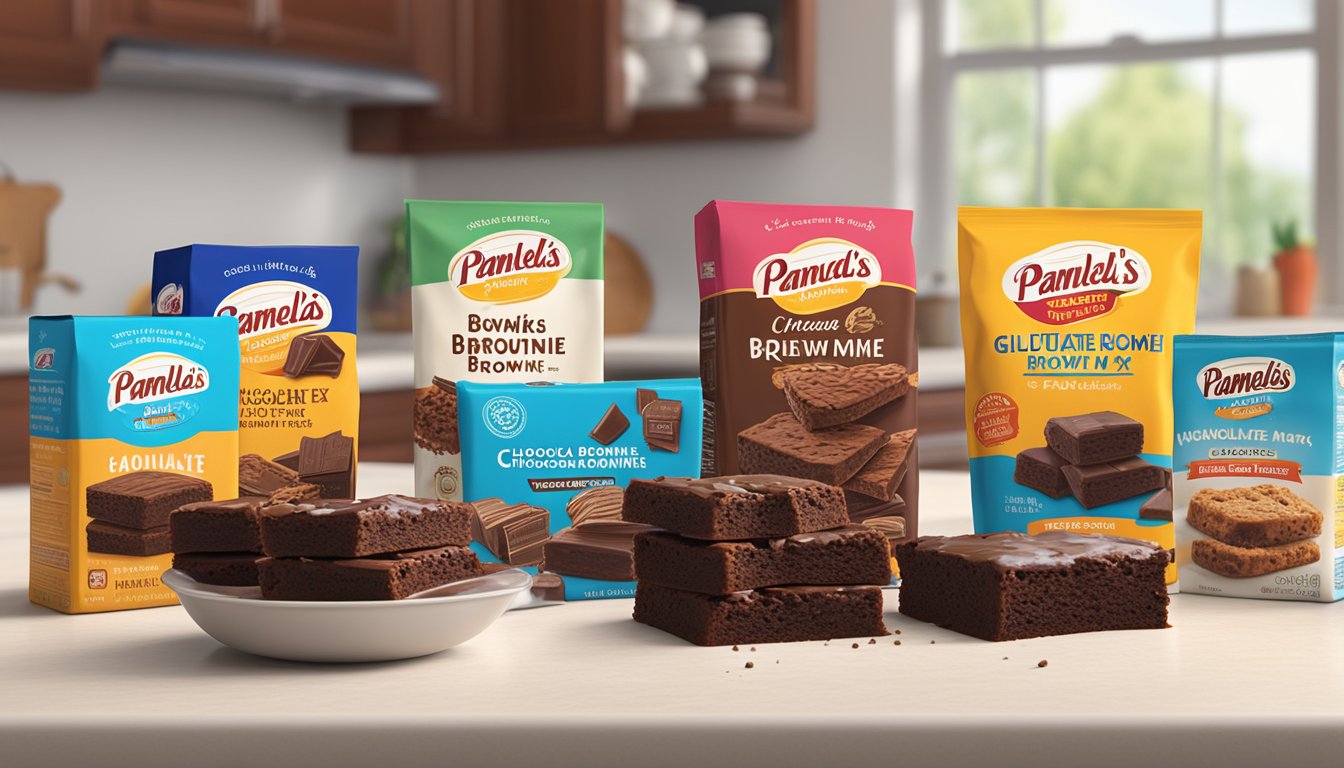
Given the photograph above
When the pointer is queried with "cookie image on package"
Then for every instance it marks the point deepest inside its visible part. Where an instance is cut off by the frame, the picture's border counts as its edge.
(1259, 516)
(435, 417)
(1245, 562)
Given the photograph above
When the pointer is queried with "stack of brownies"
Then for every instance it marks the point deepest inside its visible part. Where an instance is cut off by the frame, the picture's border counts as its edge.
(754, 559)
(386, 548)
(1092, 456)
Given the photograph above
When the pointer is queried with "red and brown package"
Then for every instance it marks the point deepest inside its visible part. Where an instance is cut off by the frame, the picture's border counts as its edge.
(808, 357)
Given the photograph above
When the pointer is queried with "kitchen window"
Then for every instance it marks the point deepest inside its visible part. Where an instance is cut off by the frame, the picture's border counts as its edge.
(1225, 105)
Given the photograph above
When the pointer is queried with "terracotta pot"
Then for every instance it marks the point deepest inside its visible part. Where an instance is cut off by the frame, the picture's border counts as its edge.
(1297, 279)
(1258, 292)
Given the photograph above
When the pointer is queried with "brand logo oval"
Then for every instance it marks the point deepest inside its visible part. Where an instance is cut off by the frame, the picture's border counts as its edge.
(1243, 376)
(169, 300)
(816, 276)
(276, 306)
(1075, 281)
(153, 377)
(44, 358)
(504, 416)
(508, 267)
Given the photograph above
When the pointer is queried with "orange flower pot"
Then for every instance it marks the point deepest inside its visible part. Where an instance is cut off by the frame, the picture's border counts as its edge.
(1297, 279)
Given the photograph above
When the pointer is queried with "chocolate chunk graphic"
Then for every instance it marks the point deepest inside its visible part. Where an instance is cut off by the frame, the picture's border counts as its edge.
(1043, 470)
(1093, 438)
(259, 477)
(643, 397)
(603, 503)
(314, 354)
(826, 398)
(662, 425)
(1157, 507)
(604, 550)
(514, 533)
(290, 460)
(329, 463)
(435, 417)
(611, 426)
(884, 472)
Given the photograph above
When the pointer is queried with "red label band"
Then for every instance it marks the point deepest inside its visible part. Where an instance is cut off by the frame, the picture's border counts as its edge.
(1276, 469)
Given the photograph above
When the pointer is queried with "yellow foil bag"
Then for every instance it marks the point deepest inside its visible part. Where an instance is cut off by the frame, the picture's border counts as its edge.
(1067, 319)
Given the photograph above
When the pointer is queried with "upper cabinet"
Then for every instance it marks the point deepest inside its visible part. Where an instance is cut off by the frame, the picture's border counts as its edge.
(50, 45)
(224, 22)
(543, 73)
(373, 32)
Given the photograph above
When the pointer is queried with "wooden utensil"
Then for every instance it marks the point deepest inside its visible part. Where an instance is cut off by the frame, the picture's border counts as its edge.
(629, 290)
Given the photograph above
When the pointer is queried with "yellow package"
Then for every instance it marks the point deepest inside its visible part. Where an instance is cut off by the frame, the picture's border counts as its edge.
(1067, 320)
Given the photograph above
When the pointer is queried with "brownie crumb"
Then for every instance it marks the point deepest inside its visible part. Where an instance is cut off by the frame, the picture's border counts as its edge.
(898, 642)
(931, 642)
(872, 641)
(734, 647)
(856, 645)
(897, 631)
(750, 665)
(1005, 658)
(753, 649)
(1042, 663)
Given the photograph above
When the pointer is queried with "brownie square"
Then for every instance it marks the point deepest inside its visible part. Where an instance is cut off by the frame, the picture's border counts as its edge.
(1096, 485)
(826, 397)
(230, 569)
(218, 526)
(393, 576)
(1043, 470)
(360, 528)
(850, 555)
(1009, 586)
(112, 539)
(735, 506)
(600, 549)
(1093, 438)
(769, 615)
(144, 499)
(781, 445)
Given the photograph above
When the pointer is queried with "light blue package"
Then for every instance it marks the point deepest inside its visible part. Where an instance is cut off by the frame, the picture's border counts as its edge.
(544, 444)
(1259, 463)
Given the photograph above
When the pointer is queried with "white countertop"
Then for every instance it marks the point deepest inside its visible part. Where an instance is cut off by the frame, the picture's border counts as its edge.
(1233, 683)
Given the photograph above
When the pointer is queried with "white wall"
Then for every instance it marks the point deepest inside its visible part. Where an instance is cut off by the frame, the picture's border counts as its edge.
(144, 169)
(652, 191)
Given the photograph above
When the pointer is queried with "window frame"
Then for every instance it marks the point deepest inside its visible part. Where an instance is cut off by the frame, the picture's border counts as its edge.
(937, 104)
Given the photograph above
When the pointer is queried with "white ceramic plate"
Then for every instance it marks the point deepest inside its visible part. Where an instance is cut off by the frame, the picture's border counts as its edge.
(372, 630)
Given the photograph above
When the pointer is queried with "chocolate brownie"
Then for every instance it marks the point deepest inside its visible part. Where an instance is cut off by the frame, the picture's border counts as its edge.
(1095, 485)
(828, 397)
(360, 528)
(1043, 470)
(603, 503)
(1260, 516)
(329, 463)
(601, 549)
(1009, 586)
(1093, 438)
(259, 477)
(1244, 562)
(854, 554)
(113, 539)
(735, 506)
(217, 526)
(230, 569)
(392, 576)
(781, 445)
(144, 499)
(767, 615)
(435, 417)
(883, 473)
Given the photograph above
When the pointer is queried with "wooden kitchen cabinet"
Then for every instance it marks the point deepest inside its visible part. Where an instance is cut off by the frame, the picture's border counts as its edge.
(224, 22)
(520, 74)
(368, 31)
(50, 45)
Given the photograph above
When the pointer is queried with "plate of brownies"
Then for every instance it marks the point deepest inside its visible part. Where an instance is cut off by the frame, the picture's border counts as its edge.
(335, 580)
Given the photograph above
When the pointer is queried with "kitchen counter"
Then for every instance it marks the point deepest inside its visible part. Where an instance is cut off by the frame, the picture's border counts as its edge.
(1235, 682)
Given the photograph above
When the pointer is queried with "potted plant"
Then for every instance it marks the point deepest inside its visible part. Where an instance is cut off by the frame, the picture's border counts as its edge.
(390, 309)
(1295, 260)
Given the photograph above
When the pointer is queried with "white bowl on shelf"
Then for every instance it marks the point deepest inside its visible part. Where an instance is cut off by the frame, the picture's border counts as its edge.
(742, 50)
(347, 631)
(688, 21)
(647, 19)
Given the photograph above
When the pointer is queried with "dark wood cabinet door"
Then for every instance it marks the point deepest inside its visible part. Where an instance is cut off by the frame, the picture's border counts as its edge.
(50, 44)
(367, 31)
(219, 21)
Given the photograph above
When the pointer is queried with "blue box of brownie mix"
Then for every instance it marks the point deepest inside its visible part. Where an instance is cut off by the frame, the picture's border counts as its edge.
(545, 465)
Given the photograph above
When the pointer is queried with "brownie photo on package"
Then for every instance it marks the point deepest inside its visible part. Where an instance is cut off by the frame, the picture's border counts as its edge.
(809, 312)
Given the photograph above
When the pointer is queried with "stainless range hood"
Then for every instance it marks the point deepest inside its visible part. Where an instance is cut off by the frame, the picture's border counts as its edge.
(134, 62)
